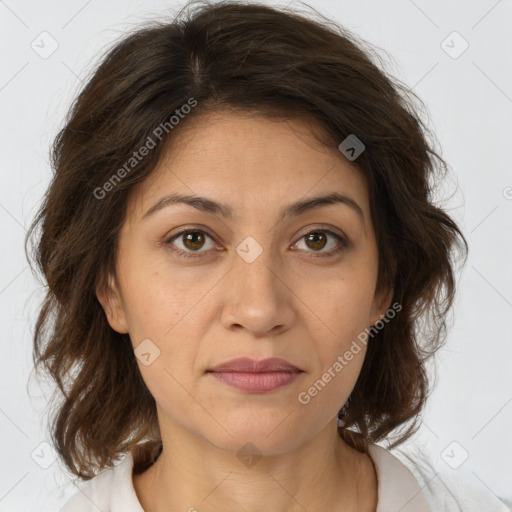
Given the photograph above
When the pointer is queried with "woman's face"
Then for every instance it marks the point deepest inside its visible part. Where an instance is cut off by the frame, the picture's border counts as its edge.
(251, 283)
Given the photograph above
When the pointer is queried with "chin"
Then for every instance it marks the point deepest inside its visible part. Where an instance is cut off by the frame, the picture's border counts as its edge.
(262, 436)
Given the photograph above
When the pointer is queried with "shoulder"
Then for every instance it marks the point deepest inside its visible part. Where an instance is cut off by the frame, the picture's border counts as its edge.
(445, 489)
(110, 491)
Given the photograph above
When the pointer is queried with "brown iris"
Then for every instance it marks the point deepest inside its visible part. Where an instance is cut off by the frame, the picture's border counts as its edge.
(192, 239)
(317, 239)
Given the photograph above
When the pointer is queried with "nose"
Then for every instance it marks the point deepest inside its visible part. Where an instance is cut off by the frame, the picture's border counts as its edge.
(257, 298)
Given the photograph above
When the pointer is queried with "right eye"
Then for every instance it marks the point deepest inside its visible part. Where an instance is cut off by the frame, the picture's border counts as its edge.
(192, 240)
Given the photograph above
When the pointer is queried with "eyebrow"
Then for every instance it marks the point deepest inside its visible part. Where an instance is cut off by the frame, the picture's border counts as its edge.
(209, 206)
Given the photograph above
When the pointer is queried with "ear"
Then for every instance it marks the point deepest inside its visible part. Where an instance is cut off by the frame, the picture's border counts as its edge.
(110, 299)
(381, 303)
(383, 295)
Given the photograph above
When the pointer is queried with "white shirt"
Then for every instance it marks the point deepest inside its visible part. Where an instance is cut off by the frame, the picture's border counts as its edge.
(403, 486)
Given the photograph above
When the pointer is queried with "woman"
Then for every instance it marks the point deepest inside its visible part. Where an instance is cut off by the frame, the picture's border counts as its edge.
(240, 244)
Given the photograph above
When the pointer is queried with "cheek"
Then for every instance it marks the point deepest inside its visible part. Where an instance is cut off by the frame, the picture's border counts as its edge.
(340, 307)
(157, 300)
(168, 314)
(339, 352)
(170, 309)
(343, 302)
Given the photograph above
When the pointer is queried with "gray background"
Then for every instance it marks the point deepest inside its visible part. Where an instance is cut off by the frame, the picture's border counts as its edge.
(469, 98)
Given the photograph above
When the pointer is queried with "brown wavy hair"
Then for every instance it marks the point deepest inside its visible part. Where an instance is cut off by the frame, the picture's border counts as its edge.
(255, 59)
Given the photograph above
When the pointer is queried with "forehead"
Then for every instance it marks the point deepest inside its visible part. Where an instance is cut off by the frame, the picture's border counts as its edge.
(251, 162)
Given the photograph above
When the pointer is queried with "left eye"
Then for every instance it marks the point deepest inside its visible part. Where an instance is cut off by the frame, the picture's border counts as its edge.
(319, 239)
(193, 240)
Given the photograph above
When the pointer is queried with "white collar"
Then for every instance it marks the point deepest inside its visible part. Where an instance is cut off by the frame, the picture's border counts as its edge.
(398, 489)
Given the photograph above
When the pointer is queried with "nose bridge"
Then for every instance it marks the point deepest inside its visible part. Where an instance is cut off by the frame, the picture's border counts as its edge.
(256, 297)
(255, 267)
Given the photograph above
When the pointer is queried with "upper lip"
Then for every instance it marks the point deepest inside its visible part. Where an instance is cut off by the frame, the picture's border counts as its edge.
(245, 364)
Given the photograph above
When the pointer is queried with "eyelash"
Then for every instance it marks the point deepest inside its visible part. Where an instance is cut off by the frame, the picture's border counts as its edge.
(188, 255)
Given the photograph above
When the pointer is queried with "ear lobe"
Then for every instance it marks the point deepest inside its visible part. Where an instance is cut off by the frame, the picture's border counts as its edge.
(110, 299)
(381, 303)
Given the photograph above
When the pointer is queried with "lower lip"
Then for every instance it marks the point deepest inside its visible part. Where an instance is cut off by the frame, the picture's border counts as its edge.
(256, 382)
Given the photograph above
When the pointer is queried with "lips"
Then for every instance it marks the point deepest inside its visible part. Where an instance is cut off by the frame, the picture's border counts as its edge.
(253, 376)
(247, 365)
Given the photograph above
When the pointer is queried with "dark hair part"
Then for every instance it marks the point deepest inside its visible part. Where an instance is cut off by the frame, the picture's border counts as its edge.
(259, 60)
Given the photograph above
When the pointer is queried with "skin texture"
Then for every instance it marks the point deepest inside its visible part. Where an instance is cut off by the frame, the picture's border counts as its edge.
(289, 303)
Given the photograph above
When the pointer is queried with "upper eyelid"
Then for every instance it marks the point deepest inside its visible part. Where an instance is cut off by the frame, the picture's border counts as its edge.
(188, 230)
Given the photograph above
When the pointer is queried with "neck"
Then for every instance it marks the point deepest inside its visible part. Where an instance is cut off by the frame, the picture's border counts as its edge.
(321, 473)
